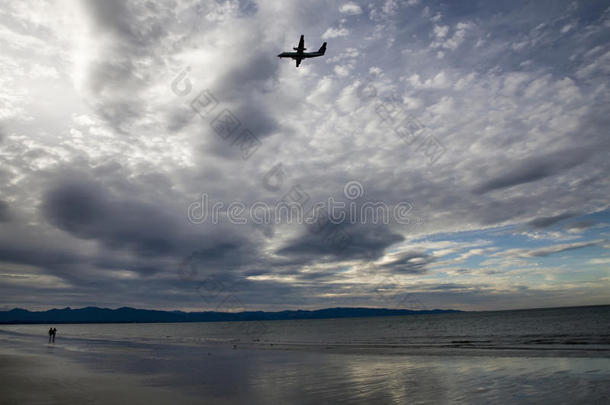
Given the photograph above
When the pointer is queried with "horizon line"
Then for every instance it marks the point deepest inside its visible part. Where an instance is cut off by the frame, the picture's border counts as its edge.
(306, 310)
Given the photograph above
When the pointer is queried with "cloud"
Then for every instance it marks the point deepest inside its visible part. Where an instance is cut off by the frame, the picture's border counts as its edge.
(340, 241)
(549, 250)
(438, 81)
(101, 156)
(335, 32)
(87, 210)
(4, 211)
(578, 226)
(410, 263)
(350, 8)
(535, 168)
(544, 222)
(440, 31)
(603, 260)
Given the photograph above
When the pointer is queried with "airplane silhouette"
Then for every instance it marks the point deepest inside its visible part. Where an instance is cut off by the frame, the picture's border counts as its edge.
(299, 55)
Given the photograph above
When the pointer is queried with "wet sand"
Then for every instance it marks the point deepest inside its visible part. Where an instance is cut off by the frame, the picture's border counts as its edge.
(134, 373)
(50, 379)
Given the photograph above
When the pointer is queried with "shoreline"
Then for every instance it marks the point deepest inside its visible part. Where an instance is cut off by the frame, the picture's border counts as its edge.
(597, 350)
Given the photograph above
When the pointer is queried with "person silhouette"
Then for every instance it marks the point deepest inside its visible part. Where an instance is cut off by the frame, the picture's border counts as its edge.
(54, 332)
(50, 334)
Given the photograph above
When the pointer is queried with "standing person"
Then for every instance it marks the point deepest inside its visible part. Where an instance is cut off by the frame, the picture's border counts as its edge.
(50, 334)
(54, 332)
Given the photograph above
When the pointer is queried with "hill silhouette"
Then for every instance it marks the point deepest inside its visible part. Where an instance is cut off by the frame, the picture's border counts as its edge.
(127, 315)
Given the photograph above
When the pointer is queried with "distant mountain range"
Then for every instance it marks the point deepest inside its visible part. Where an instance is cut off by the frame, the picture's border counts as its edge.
(128, 315)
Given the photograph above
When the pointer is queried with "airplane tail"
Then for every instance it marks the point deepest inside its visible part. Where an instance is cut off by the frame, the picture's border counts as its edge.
(322, 49)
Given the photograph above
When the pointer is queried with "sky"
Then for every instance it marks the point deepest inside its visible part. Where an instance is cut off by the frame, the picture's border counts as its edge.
(160, 155)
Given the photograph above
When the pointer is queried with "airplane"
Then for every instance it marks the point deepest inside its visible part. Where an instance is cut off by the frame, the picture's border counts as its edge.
(299, 55)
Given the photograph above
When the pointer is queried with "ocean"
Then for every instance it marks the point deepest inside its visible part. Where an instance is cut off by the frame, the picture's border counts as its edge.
(559, 355)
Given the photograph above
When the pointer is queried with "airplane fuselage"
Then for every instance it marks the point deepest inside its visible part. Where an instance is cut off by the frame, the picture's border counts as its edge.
(300, 55)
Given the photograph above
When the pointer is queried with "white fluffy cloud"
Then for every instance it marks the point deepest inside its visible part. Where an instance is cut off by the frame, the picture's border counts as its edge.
(350, 8)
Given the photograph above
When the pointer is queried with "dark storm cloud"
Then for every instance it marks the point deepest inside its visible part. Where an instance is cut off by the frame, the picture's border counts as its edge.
(341, 241)
(23, 254)
(87, 209)
(249, 74)
(544, 222)
(56, 259)
(534, 168)
(114, 16)
(410, 263)
(136, 22)
(578, 226)
(5, 214)
(242, 89)
(257, 118)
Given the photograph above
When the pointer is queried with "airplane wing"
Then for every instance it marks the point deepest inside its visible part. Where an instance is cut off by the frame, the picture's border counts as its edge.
(301, 46)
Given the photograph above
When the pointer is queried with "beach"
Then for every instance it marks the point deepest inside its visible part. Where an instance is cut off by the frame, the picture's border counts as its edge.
(294, 377)
(28, 378)
(143, 363)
